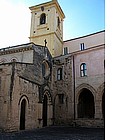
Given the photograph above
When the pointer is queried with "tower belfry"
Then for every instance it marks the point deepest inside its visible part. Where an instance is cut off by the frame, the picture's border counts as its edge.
(47, 24)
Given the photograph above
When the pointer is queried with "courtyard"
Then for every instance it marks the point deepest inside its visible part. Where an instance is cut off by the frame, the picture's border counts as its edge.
(56, 133)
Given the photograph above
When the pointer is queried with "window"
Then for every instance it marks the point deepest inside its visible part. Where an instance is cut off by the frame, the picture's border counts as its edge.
(3, 60)
(83, 70)
(65, 50)
(13, 60)
(61, 98)
(82, 46)
(58, 22)
(45, 69)
(42, 19)
(59, 74)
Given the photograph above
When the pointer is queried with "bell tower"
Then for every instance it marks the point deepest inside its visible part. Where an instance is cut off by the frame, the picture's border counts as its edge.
(47, 24)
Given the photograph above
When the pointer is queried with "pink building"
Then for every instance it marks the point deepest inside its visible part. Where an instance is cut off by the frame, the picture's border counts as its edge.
(89, 77)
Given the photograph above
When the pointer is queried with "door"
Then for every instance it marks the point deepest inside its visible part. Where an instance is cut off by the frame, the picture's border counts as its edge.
(22, 114)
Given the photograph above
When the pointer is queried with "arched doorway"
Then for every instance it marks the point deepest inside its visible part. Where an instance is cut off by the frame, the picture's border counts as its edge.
(85, 106)
(45, 104)
(22, 114)
(103, 104)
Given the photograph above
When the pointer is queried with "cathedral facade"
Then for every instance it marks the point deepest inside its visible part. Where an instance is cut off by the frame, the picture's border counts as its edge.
(50, 81)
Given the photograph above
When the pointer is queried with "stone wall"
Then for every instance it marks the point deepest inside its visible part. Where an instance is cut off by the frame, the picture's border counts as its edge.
(63, 90)
(22, 81)
(5, 80)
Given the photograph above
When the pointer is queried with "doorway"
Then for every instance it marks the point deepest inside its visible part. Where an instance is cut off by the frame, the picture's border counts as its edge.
(45, 109)
(86, 107)
(103, 105)
(22, 114)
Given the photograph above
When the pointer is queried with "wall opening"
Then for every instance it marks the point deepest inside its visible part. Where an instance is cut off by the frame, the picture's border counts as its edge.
(103, 104)
(85, 106)
(22, 114)
(45, 104)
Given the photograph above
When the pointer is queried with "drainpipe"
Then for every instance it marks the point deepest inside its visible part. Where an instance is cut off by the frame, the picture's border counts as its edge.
(74, 84)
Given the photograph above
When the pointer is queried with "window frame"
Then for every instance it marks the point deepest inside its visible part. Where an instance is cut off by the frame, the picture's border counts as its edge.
(59, 74)
(65, 50)
(42, 19)
(61, 98)
(82, 46)
(83, 70)
(45, 69)
(58, 22)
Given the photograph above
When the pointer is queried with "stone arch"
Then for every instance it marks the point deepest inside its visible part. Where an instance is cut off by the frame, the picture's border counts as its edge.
(86, 104)
(101, 100)
(47, 109)
(100, 90)
(23, 97)
(23, 106)
(3, 60)
(82, 86)
(14, 59)
(85, 92)
(48, 94)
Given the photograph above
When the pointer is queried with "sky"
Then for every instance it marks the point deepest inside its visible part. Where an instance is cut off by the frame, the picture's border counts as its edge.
(83, 17)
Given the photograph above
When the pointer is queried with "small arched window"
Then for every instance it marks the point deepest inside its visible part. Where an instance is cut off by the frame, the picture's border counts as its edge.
(45, 69)
(43, 18)
(13, 60)
(3, 61)
(58, 22)
(83, 70)
(59, 74)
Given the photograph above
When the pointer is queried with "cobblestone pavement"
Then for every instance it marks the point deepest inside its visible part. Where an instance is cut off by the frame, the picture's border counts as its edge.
(56, 133)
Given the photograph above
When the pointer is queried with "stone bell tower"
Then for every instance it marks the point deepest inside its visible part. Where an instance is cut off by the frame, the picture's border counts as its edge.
(47, 24)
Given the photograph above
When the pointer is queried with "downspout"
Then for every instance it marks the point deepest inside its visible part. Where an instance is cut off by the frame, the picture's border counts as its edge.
(74, 83)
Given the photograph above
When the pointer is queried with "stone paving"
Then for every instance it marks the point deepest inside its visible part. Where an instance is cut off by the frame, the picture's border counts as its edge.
(56, 133)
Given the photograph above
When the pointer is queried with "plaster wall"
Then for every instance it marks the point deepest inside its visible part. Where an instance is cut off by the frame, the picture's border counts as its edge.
(89, 41)
(25, 57)
(94, 60)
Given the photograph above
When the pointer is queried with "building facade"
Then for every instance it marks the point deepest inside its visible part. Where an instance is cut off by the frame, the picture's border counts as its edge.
(50, 81)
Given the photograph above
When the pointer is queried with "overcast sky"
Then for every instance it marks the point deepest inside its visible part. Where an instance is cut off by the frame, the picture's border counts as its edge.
(82, 17)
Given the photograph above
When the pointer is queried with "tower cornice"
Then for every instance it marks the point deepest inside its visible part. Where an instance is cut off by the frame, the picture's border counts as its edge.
(47, 4)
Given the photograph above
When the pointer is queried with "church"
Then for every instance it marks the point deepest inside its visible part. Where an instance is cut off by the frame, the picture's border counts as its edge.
(50, 81)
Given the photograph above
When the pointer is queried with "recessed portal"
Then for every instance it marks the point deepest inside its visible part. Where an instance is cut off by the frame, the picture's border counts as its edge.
(45, 110)
(103, 104)
(22, 114)
(86, 107)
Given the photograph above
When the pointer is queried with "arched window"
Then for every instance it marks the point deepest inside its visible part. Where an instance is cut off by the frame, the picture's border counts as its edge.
(58, 22)
(59, 74)
(3, 60)
(43, 18)
(45, 69)
(13, 60)
(83, 70)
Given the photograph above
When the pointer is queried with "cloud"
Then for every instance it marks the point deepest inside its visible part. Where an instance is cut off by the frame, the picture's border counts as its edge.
(15, 23)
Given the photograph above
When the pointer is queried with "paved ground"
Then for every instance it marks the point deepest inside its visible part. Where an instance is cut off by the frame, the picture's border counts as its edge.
(56, 133)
